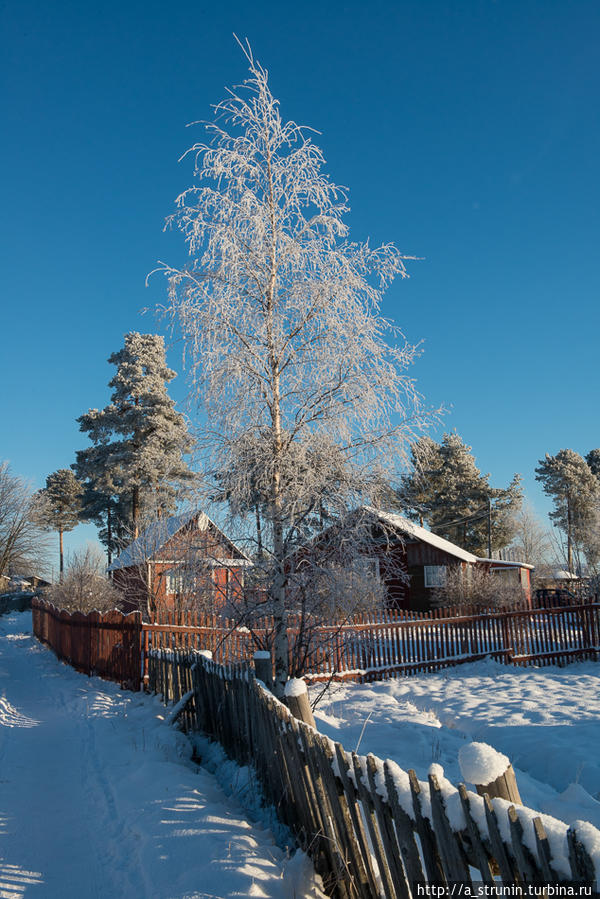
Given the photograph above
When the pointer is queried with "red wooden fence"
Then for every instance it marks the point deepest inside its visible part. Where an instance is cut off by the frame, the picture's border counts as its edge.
(398, 642)
(116, 646)
(108, 644)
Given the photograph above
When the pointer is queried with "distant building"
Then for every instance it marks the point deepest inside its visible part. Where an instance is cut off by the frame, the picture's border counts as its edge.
(180, 563)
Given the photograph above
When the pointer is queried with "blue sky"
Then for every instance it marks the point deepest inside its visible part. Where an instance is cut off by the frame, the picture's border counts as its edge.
(468, 134)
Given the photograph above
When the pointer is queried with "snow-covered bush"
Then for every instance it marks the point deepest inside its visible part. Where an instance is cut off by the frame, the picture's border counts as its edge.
(84, 587)
(476, 588)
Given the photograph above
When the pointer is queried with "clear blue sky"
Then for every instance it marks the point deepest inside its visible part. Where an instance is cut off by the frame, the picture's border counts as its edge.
(468, 134)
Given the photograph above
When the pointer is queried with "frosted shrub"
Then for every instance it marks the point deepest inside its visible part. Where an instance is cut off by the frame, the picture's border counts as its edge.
(476, 588)
(84, 588)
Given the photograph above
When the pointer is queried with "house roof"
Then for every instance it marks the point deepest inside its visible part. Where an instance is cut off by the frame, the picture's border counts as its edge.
(152, 540)
(506, 563)
(410, 529)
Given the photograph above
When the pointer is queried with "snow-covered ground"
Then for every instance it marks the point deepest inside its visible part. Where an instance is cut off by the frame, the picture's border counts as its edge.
(98, 797)
(546, 720)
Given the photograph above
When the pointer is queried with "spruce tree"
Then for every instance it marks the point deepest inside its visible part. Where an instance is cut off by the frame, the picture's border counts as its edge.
(445, 490)
(60, 503)
(568, 479)
(139, 441)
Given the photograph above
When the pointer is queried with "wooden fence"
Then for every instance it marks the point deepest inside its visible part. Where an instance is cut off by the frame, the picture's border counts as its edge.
(117, 646)
(397, 643)
(371, 828)
(19, 602)
(108, 644)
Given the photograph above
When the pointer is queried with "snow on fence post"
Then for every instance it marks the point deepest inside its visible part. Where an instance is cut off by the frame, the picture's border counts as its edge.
(296, 698)
(263, 667)
(490, 771)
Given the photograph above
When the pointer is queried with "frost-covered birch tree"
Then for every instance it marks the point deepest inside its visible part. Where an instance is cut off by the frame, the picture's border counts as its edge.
(280, 314)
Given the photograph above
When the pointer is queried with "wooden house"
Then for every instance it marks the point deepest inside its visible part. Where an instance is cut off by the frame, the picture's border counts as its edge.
(412, 561)
(180, 563)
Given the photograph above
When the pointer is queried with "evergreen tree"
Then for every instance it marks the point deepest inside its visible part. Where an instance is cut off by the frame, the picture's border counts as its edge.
(568, 479)
(136, 463)
(446, 490)
(60, 505)
(416, 493)
(593, 461)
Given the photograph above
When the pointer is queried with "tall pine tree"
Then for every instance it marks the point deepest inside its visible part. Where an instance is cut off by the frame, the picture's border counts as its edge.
(136, 465)
(60, 503)
(445, 490)
(574, 488)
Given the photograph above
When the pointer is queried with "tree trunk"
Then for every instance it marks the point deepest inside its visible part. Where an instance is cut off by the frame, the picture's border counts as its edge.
(280, 643)
(569, 537)
(61, 555)
(135, 511)
(109, 536)
(259, 547)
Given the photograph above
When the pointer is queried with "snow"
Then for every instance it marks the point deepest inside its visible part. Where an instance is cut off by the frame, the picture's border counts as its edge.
(262, 654)
(481, 764)
(99, 797)
(295, 687)
(405, 526)
(546, 721)
(156, 535)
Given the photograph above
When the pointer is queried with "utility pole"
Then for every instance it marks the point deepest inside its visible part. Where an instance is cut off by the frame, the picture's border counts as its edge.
(489, 527)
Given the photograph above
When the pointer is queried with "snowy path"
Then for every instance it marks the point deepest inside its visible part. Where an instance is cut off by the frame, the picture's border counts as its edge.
(98, 799)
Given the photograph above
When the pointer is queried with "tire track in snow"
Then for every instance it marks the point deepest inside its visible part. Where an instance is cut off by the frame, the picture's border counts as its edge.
(119, 853)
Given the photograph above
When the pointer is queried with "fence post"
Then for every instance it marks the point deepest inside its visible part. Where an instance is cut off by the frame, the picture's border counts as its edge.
(263, 667)
(490, 771)
(296, 697)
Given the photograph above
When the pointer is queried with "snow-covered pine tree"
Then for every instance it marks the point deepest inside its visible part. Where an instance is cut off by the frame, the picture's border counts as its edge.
(593, 461)
(446, 490)
(60, 503)
(416, 494)
(280, 317)
(139, 440)
(591, 544)
(568, 479)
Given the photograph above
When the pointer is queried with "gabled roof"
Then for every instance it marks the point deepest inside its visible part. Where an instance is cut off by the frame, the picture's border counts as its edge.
(410, 529)
(158, 534)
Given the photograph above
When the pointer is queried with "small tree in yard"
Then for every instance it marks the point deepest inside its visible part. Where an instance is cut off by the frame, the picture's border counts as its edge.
(280, 317)
(60, 504)
(84, 587)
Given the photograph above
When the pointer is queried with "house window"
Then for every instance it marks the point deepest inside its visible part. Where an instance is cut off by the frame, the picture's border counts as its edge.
(435, 575)
(173, 582)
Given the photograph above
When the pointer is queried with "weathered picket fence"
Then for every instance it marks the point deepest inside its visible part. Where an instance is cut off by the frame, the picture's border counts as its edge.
(107, 644)
(389, 644)
(392, 643)
(371, 828)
